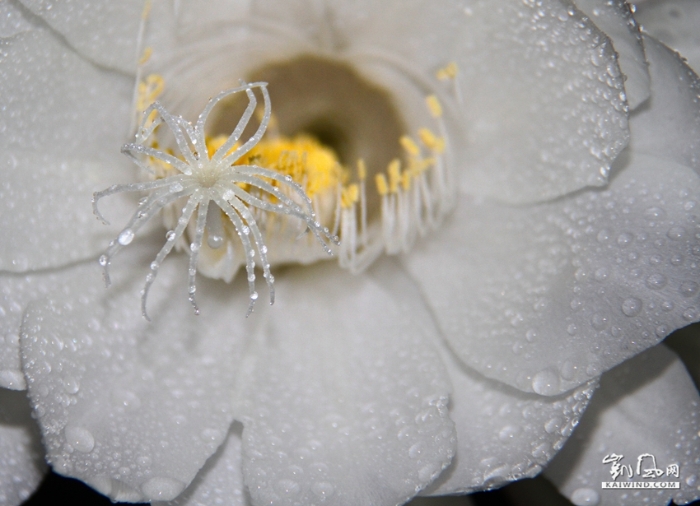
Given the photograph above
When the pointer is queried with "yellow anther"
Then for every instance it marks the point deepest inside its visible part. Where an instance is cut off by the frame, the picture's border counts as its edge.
(431, 141)
(149, 90)
(411, 148)
(146, 9)
(147, 52)
(434, 106)
(349, 196)
(382, 186)
(302, 158)
(361, 169)
(394, 170)
(406, 178)
(449, 71)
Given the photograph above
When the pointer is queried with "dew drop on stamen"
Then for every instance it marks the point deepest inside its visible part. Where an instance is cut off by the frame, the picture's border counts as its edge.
(103, 260)
(170, 235)
(126, 237)
(254, 296)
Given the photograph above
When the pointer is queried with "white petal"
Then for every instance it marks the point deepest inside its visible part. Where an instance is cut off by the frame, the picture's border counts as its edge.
(16, 292)
(22, 463)
(102, 30)
(62, 126)
(220, 481)
(648, 405)
(12, 20)
(547, 297)
(540, 112)
(503, 434)
(669, 126)
(675, 23)
(133, 409)
(347, 400)
(615, 19)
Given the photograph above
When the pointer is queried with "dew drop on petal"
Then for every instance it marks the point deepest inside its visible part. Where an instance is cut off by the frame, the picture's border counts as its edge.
(656, 281)
(546, 382)
(79, 438)
(631, 306)
(323, 489)
(688, 288)
(162, 489)
(585, 497)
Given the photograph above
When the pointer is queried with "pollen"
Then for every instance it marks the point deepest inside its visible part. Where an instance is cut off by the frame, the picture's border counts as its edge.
(222, 177)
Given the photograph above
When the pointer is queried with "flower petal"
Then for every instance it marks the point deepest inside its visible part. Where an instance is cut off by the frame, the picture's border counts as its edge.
(675, 23)
(345, 381)
(62, 125)
(616, 21)
(133, 409)
(22, 463)
(540, 110)
(16, 291)
(503, 434)
(670, 125)
(548, 119)
(546, 297)
(648, 405)
(220, 481)
(102, 30)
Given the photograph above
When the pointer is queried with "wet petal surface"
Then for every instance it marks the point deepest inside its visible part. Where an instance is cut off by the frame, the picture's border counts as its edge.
(546, 297)
(347, 400)
(131, 408)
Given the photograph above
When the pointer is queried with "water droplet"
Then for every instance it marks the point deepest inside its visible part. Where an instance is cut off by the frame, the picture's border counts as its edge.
(690, 314)
(571, 329)
(215, 241)
(287, 488)
(568, 370)
(576, 304)
(546, 382)
(175, 187)
(656, 281)
(170, 235)
(631, 306)
(553, 425)
(228, 195)
(126, 236)
(662, 331)
(599, 321)
(688, 288)
(585, 497)
(624, 239)
(194, 246)
(71, 385)
(323, 489)
(254, 296)
(601, 274)
(691, 480)
(79, 438)
(507, 433)
(162, 489)
(654, 213)
(676, 233)
(103, 260)
(415, 450)
(603, 235)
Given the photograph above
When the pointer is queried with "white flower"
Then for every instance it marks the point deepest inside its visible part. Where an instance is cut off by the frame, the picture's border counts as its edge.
(459, 365)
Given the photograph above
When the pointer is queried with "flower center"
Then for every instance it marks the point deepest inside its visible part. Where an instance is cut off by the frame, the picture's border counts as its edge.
(334, 160)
